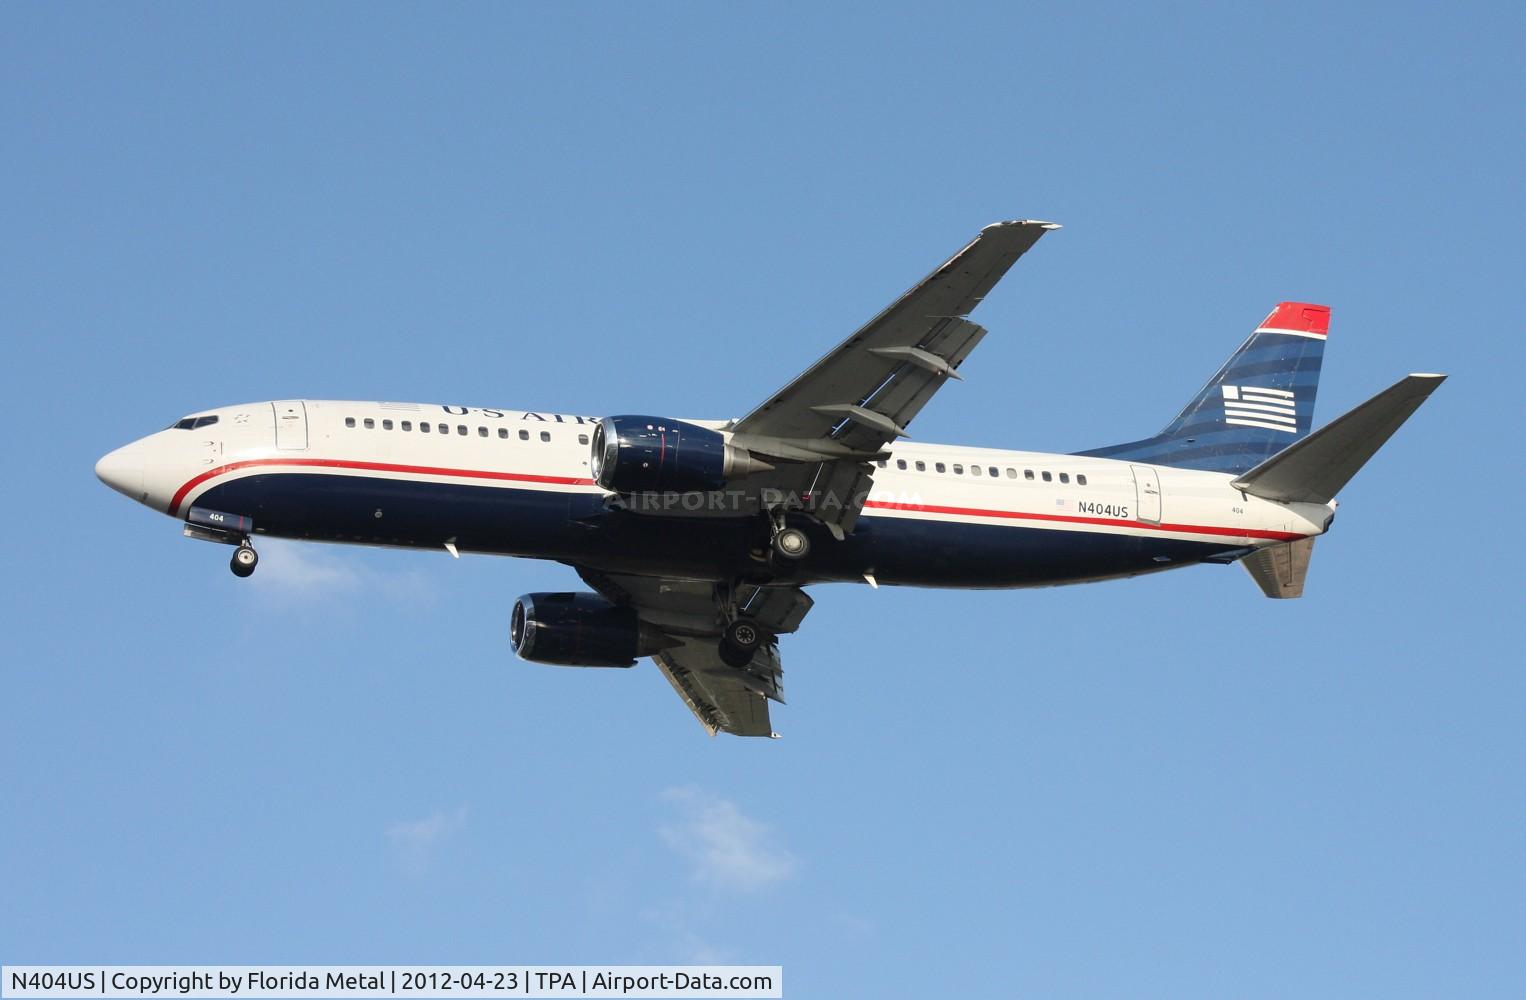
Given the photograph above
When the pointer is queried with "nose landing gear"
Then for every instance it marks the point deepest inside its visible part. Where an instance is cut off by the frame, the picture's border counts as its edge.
(244, 560)
(225, 529)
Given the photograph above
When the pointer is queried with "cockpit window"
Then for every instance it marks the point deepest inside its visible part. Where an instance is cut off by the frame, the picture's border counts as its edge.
(191, 423)
(204, 422)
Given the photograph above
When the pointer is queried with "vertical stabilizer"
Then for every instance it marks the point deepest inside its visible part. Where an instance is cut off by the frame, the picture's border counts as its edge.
(1258, 403)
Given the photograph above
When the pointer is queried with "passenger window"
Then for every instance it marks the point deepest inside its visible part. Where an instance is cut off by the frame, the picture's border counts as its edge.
(370, 424)
(545, 435)
(939, 467)
(974, 470)
(1080, 479)
(349, 421)
(407, 425)
(921, 466)
(1048, 478)
(1027, 473)
(582, 439)
(882, 463)
(386, 425)
(524, 435)
(900, 463)
(461, 429)
(482, 432)
(503, 432)
(1064, 477)
(1011, 473)
(991, 470)
(442, 428)
(423, 427)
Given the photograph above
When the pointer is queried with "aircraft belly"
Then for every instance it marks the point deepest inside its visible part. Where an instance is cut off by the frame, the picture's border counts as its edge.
(575, 526)
(934, 553)
(539, 523)
(382, 511)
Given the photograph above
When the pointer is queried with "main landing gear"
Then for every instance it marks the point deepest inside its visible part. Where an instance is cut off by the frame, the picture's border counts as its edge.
(792, 543)
(244, 560)
(740, 640)
(742, 634)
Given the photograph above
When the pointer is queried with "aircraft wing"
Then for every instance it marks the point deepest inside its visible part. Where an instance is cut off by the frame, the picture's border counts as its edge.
(824, 429)
(842, 411)
(724, 698)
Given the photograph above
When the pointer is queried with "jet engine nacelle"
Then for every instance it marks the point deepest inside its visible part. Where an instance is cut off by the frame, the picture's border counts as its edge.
(580, 630)
(636, 454)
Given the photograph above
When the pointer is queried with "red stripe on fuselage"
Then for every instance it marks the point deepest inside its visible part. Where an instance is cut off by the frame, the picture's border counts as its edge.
(337, 463)
(523, 477)
(1017, 515)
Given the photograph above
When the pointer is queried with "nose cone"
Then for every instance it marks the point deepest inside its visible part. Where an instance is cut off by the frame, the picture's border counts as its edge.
(122, 470)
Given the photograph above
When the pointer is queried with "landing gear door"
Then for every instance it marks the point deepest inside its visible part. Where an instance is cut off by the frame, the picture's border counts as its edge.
(291, 424)
(1147, 493)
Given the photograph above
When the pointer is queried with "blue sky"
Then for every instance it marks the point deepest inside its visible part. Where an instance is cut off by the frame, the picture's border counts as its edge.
(1168, 787)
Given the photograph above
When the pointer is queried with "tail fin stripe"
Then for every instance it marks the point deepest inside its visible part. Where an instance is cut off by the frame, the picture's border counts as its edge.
(1291, 333)
(1277, 368)
(1258, 423)
(1300, 319)
(1283, 410)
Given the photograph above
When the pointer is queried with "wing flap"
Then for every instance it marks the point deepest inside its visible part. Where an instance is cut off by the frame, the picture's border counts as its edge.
(928, 319)
(725, 699)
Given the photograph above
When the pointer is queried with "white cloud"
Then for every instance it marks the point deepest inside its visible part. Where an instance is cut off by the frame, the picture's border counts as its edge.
(676, 921)
(292, 566)
(306, 571)
(416, 840)
(726, 849)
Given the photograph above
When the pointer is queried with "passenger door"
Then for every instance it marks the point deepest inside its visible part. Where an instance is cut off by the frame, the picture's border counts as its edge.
(1146, 493)
(291, 424)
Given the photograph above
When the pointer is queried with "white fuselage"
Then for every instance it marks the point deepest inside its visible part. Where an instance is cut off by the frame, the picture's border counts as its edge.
(360, 463)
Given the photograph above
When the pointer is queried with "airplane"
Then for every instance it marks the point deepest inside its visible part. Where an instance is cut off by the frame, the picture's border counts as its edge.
(697, 538)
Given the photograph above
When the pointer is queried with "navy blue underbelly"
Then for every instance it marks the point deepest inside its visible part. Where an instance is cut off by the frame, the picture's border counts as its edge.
(576, 527)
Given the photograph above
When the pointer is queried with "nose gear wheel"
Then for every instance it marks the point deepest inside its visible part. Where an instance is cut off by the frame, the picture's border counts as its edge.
(244, 560)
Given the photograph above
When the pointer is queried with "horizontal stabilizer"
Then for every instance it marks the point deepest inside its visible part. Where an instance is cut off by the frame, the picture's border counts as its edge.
(1279, 569)
(1315, 469)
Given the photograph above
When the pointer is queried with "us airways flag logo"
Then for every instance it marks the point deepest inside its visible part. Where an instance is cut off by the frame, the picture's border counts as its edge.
(1251, 406)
